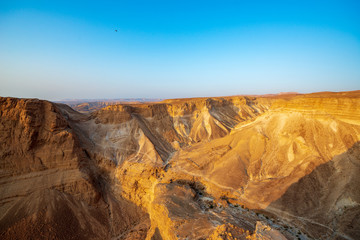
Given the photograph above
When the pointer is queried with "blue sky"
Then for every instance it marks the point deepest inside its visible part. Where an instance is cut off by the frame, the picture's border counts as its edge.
(166, 49)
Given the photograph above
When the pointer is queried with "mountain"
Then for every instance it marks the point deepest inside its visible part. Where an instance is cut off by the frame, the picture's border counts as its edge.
(90, 105)
(281, 166)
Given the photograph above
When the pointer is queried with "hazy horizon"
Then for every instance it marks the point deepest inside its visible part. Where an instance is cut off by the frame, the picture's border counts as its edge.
(135, 49)
(142, 99)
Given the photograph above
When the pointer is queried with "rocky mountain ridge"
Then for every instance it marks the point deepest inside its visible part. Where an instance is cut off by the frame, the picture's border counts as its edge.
(242, 167)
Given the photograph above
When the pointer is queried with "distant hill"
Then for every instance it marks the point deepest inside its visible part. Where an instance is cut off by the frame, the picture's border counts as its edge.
(90, 105)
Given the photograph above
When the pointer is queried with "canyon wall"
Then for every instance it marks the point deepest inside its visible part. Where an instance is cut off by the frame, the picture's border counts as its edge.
(245, 167)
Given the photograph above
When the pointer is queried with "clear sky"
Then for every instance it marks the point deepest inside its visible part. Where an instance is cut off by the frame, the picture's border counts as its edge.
(177, 48)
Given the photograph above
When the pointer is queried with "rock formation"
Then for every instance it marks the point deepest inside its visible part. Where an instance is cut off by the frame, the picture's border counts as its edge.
(244, 167)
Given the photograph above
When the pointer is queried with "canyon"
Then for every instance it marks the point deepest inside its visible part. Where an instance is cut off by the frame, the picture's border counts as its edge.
(240, 167)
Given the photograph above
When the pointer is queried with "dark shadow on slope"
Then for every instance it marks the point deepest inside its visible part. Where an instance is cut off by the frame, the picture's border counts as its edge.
(51, 214)
(163, 148)
(229, 115)
(325, 203)
(122, 215)
(45, 213)
(224, 112)
(157, 235)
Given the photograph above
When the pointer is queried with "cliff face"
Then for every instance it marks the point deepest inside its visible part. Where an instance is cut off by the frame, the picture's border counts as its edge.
(50, 188)
(218, 168)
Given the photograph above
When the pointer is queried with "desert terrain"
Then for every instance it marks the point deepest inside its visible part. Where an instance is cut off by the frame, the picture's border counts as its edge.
(241, 167)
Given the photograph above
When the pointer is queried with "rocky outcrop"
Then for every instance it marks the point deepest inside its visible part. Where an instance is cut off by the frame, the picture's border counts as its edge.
(49, 186)
(231, 232)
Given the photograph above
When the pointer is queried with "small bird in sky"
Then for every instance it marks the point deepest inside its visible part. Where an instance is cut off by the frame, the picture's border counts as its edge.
(115, 30)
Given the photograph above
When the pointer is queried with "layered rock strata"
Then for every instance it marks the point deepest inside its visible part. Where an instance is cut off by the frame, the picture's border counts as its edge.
(242, 167)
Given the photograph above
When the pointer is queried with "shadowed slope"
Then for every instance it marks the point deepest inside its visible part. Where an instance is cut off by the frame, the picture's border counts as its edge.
(326, 203)
(50, 188)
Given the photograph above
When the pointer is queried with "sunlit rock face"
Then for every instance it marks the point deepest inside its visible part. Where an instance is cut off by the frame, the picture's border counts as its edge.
(255, 167)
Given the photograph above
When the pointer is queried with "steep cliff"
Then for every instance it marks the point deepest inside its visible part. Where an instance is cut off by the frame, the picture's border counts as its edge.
(50, 188)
